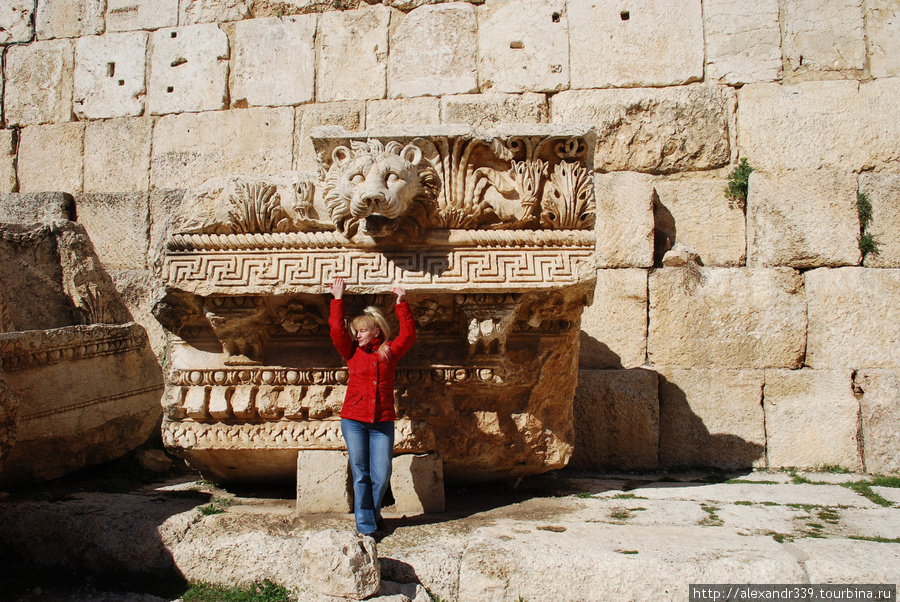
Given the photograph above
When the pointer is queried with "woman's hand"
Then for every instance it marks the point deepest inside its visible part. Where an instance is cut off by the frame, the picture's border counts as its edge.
(400, 292)
(337, 288)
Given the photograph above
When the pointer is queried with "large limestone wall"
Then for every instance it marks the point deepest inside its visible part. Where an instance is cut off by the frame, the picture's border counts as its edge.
(781, 350)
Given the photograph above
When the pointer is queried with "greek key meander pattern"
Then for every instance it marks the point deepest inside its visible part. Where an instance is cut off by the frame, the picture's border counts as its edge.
(410, 436)
(461, 266)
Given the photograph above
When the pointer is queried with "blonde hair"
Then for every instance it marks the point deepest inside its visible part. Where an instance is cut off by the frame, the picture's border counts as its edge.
(372, 317)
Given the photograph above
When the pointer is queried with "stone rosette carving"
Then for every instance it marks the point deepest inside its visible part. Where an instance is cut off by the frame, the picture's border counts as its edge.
(490, 233)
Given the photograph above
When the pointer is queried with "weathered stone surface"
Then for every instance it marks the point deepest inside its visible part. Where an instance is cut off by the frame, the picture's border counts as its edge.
(711, 418)
(117, 155)
(697, 214)
(138, 289)
(614, 326)
(340, 563)
(191, 12)
(16, 23)
(657, 131)
(820, 125)
(433, 52)
(422, 110)
(118, 226)
(523, 46)
(802, 219)
(616, 420)
(109, 75)
(624, 220)
(727, 318)
(323, 482)
(188, 69)
(353, 54)
(164, 207)
(879, 404)
(8, 145)
(9, 413)
(609, 44)
(681, 256)
(883, 192)
(38, 83)
(486, 110)
(854, 321)
(847, 561)
(417, 484)
(50, 158)
(69, 18)
(807, 51)
(883, 43)
(191, 148)
(128, 15)
(743, 42)
(811, 419)
(349, 115)
(274, 62)
(36, 207)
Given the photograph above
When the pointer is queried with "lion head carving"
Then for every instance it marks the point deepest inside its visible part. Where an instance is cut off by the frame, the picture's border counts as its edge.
(382, 190)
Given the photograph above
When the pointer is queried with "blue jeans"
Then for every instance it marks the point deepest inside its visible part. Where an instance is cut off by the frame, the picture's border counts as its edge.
(371, 449)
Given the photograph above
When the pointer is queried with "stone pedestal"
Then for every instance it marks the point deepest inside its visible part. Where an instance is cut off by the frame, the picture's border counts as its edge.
(417, 482)
(323, 482)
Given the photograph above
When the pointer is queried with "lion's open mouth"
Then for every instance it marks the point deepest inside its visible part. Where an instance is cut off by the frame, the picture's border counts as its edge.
(378, 226)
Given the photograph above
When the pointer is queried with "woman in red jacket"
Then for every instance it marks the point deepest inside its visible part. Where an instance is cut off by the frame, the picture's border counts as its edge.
(367, 418)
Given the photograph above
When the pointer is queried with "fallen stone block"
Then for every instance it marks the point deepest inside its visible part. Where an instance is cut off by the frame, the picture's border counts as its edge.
(342, 563)
(323, 482)
(417, 483)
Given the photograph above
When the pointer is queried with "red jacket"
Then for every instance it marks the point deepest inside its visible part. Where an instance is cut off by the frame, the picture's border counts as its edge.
(370, 392)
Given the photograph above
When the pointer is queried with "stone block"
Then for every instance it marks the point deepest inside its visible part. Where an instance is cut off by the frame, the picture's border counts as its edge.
(881, 32)
(614, 326)
(434, 52)
(353, 54)
(191, 12)
(487, 110)
(139, 289)
(854, 320)
(274, 61)
(712, 418)
(349, 115)
(811, 419)
(323, 482)
(36, 207)
(624, 224)
(129, 15)
(656, 43)
(732, 318)
(341, 564)
(808, 51)
(117, 155)
(423, 110)
(616, 420)
(523, 46)
(118, 226)
(188, 69)
(883, 192)
(109, 75)
(191, 148)
(743, 41)
(879, 404)
(50, 158)
(16, 24)
(697, 214)
(820, 125)
(164, 207)
(802, 219)
(9, 141)
(38, 83)
(417, 483)
(658, 131)
(69, 18)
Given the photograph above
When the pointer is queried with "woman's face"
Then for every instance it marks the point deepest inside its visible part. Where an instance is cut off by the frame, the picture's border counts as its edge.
(365, 335)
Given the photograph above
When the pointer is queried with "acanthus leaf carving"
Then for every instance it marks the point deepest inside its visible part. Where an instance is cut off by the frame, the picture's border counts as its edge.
(568, 200)
(256, 207)
(460, 200)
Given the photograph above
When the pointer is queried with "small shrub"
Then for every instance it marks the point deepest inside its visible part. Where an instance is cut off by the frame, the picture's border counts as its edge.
(738, 183)
(258, 592)
(867, 242)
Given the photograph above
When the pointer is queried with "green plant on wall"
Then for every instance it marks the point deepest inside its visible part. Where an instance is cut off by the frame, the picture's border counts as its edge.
(867, 242)
(738, 181)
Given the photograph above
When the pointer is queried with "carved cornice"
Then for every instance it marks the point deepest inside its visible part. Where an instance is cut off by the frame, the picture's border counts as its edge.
(29, 349)
(82, 405)
(287, 377)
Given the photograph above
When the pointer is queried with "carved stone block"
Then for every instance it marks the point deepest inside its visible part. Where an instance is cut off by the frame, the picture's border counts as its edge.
(417, 483)
(191, 12)
(16, 21)
(51, 158)
(433, 52)
(422, 110)
(624, 223)
(109, 75)
(487, 110)
(69, 18)
(348, 115)
(743, 42)
(806, 51)
(188, 69)
(523, 46)
(129, 15)
(274, 62)
(614, 327)
(118, 226)
(26, 209)
(38, 83)
(117, 155)
(353, 54)
(323, 482)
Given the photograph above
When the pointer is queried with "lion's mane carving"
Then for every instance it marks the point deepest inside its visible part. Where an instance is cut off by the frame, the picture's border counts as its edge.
(382, 190)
